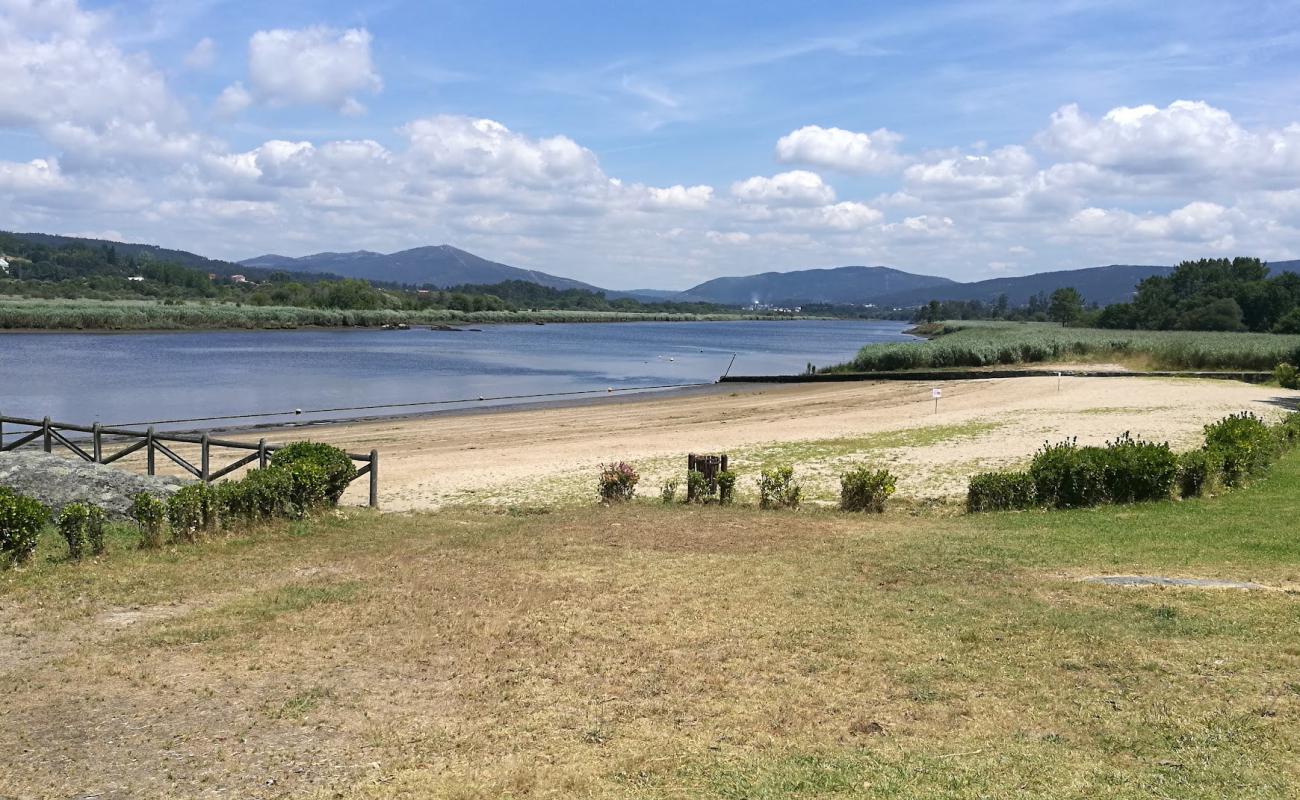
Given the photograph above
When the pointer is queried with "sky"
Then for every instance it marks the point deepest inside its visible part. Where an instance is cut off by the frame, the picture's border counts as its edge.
(661, 144)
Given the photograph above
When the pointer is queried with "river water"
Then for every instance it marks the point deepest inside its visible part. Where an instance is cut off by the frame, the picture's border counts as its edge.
(137, 378)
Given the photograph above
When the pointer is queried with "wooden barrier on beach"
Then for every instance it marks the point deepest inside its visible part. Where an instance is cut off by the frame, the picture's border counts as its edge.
(985, 374)
(152, 442)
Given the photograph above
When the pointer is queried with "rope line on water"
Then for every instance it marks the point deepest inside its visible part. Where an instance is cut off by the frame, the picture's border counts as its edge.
(301, 411)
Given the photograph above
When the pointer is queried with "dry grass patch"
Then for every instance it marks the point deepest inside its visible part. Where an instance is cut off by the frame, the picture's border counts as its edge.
(649, 651)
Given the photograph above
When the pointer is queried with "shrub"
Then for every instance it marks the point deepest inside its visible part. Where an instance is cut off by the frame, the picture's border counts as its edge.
(1138, 471)
(262, 494)
(617, 482)
(1199, 472)
(726, 487)
(1244, 445)
(865, 489)
(1000, 491)
(309, 488)
(192, 510)
(1287, 432)
(1286, 376)
(777, 488)
(338, 469)
(149, 514)
(82, 526)
(699, 489)
(21, 521)
(668, 490)
(1067, 476)
(1126, 470)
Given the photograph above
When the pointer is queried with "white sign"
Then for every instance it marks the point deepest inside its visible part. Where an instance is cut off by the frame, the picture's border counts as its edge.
(936, 393)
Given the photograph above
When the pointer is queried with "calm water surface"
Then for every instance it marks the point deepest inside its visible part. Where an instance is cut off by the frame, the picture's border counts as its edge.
(145, 377)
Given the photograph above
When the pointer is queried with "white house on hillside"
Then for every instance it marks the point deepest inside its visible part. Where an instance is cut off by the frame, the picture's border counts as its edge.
(4, 265)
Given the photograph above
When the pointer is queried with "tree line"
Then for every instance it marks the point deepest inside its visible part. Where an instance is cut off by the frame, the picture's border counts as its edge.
(80, 271)
(1210, 294)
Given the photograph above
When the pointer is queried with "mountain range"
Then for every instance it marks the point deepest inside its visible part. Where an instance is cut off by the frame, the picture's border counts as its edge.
(443, 266)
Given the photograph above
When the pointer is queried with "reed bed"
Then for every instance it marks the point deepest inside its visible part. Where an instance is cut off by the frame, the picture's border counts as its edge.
(983, 344)
(127, 315)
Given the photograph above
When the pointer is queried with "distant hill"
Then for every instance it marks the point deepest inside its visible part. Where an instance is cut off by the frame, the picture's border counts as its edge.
(438, 266)
(856, 285)
(128, 249)
(1101, 285)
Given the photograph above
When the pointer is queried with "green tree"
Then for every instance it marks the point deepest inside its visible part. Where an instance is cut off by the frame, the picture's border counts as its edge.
(1065, 305)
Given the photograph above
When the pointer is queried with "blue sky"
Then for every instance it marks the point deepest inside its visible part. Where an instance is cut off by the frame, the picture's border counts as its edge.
(661, 144)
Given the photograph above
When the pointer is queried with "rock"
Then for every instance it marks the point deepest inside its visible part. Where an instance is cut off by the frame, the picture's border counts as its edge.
(57, 481)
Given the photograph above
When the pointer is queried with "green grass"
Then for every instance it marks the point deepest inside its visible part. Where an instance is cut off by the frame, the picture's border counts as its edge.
(983, 344)
(36, 314)
(649, 651)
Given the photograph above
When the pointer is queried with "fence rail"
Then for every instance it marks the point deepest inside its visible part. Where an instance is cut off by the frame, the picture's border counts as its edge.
(153, 443)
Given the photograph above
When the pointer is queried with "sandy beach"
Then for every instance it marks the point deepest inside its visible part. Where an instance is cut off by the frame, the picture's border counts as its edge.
(544, 456)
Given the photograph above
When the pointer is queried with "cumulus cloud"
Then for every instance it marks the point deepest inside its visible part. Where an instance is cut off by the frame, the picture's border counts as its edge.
(233, 99)
(1190, 139)
(691, 198)
(457, 145)
(312, 66)
(838, 149)
(795, 188)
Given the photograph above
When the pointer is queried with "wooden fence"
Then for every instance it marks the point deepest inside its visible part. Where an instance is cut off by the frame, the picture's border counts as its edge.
(153, 443)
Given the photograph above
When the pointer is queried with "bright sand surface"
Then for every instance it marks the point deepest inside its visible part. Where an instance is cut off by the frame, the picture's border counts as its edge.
(545, 456)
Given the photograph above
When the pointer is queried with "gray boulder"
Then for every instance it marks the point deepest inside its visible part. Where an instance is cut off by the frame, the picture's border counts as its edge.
(57, 481)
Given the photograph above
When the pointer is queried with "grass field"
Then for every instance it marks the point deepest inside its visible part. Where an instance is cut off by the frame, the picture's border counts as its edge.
(666, 652)
(34, 314)
(981, 344)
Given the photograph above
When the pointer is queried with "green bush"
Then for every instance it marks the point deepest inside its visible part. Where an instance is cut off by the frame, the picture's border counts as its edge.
(82, 526)
(310, 487)
(698, 487)
(338, 469)
(261, 495)
(191, 510)
(726, 483)
(1000, 491)
(1287, 432)
(149, 514)
(1286, 376)
(1199, 472)
(21, 521)
(865, 489)
(1126, 470)
(617, 482)
(1244, 444)
(1138, 471)
(668, 490)
(777, 488)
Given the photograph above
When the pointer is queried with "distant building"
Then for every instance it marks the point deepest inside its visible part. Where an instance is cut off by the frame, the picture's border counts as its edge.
(4, 266)
(136, 278)
(238, 279)
(212, 276)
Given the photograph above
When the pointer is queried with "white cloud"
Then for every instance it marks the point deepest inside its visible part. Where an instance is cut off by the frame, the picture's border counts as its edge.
(685, 198)
(999, 174)
(1190, 139)
(795, 188)
(312, 66)
(455, 145)
(838, 149)
(233, 99)
(203, 55)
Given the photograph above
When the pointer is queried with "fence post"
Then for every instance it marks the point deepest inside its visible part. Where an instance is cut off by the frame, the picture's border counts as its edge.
(374, 479)
(148, 437)
(261, 453)
(49, 439)
(203, 459)
(2, 433)
(98, 443)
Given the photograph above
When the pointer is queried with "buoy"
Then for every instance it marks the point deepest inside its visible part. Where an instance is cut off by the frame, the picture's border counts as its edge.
(297, 411)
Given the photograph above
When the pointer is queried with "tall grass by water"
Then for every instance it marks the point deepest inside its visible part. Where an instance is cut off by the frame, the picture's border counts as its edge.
(982, 344)
(124, 315)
